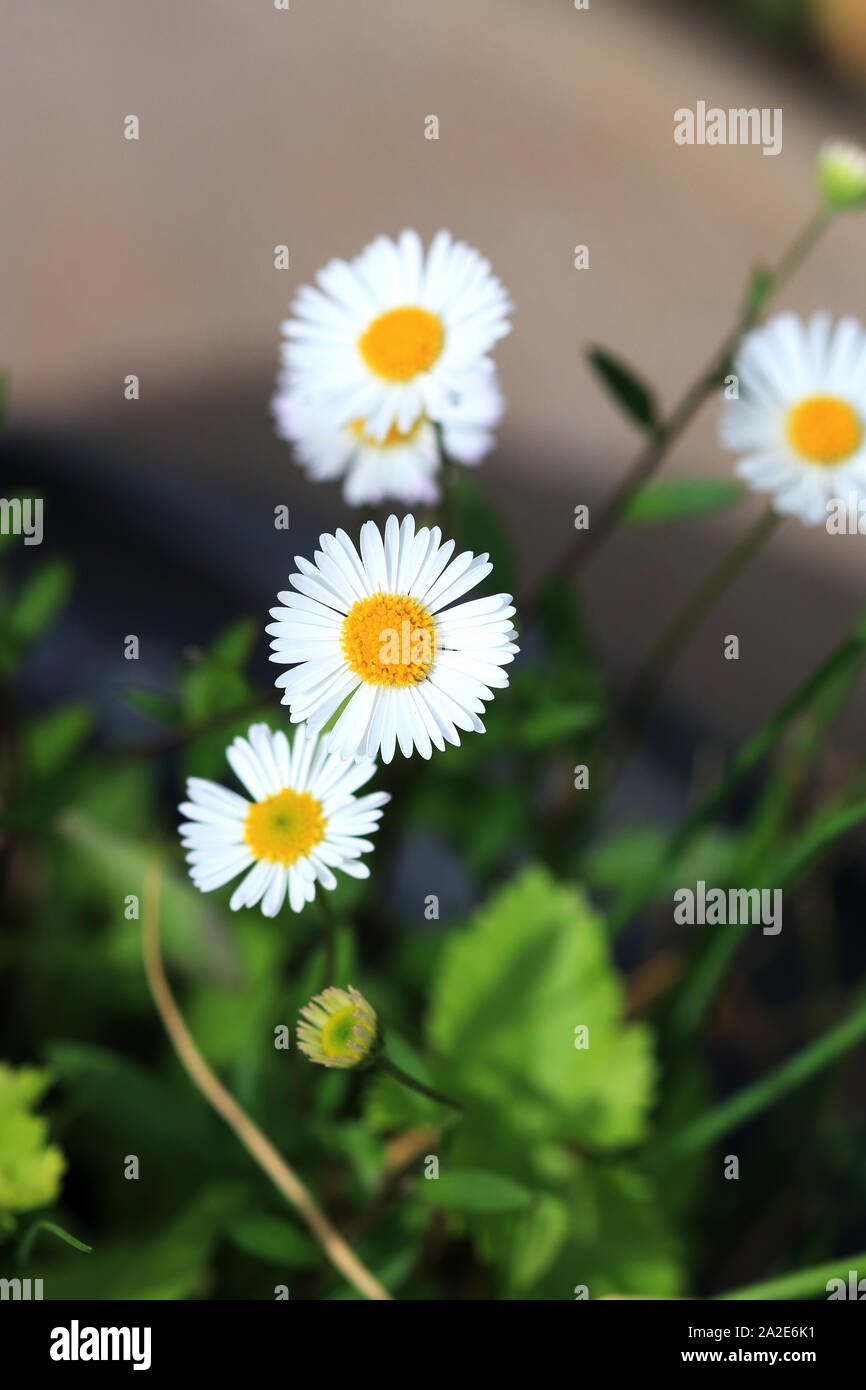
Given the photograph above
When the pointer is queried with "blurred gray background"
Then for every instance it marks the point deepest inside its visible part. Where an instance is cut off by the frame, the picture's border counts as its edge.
(306, 127)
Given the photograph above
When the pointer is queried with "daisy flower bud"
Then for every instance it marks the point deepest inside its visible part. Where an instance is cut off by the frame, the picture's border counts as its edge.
(841, 173)
(338, 1028)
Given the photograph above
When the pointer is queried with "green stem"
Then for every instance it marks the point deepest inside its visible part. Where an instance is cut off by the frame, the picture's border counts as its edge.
(583, 547)
(686, 622)
(330, 932)
(447, 508)
(705, 976)
(803, 1284)
(397, 1074)
(798, 251)
(797, 1069)
(842, 660)
(27, 1240)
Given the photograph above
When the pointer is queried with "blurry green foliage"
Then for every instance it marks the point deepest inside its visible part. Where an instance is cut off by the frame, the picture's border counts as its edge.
(30, 1167)
(545, 1182)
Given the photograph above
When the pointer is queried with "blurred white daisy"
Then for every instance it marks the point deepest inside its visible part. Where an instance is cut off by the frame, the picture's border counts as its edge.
(382, 631)
(394, 334)
(841, 172)
(405, 465)
(303, 822)
(799, 421)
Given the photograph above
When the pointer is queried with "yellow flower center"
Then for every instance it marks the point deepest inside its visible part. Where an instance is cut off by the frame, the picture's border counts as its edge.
(284, 827)
(824, 429)
(402, 342)
(394, 436)
(339, 1031)
(389, 640)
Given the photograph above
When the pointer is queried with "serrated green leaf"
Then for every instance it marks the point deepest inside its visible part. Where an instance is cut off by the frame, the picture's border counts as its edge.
(30, 1167)
(677, 499)
(618, 1241)
(512, 989)
(636, 398)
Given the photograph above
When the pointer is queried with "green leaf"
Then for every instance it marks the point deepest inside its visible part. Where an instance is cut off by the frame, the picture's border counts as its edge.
(556, 722)
(233, 647)
(50, 740)
(35, 606)
(153, 704)
(816, 838)
(618, 1240)
(171, 1125)
(595, 1224)
(626, 857)
(30, 1167)
(636, 399)
(511, 991)
(120, 866)
(681, 498)
(474, 1191)
(273, 1239)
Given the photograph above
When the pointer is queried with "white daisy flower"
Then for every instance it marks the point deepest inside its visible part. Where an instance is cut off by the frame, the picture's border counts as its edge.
(303, 822)
(405, 465)
(799, 421)
(382, 631)
(841, 171)
(395, 334)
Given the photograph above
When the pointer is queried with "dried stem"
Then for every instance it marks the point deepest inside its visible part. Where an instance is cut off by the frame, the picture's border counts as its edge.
(260, 1149)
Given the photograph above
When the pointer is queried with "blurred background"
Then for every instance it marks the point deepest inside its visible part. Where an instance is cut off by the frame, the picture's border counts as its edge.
(305, 127)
